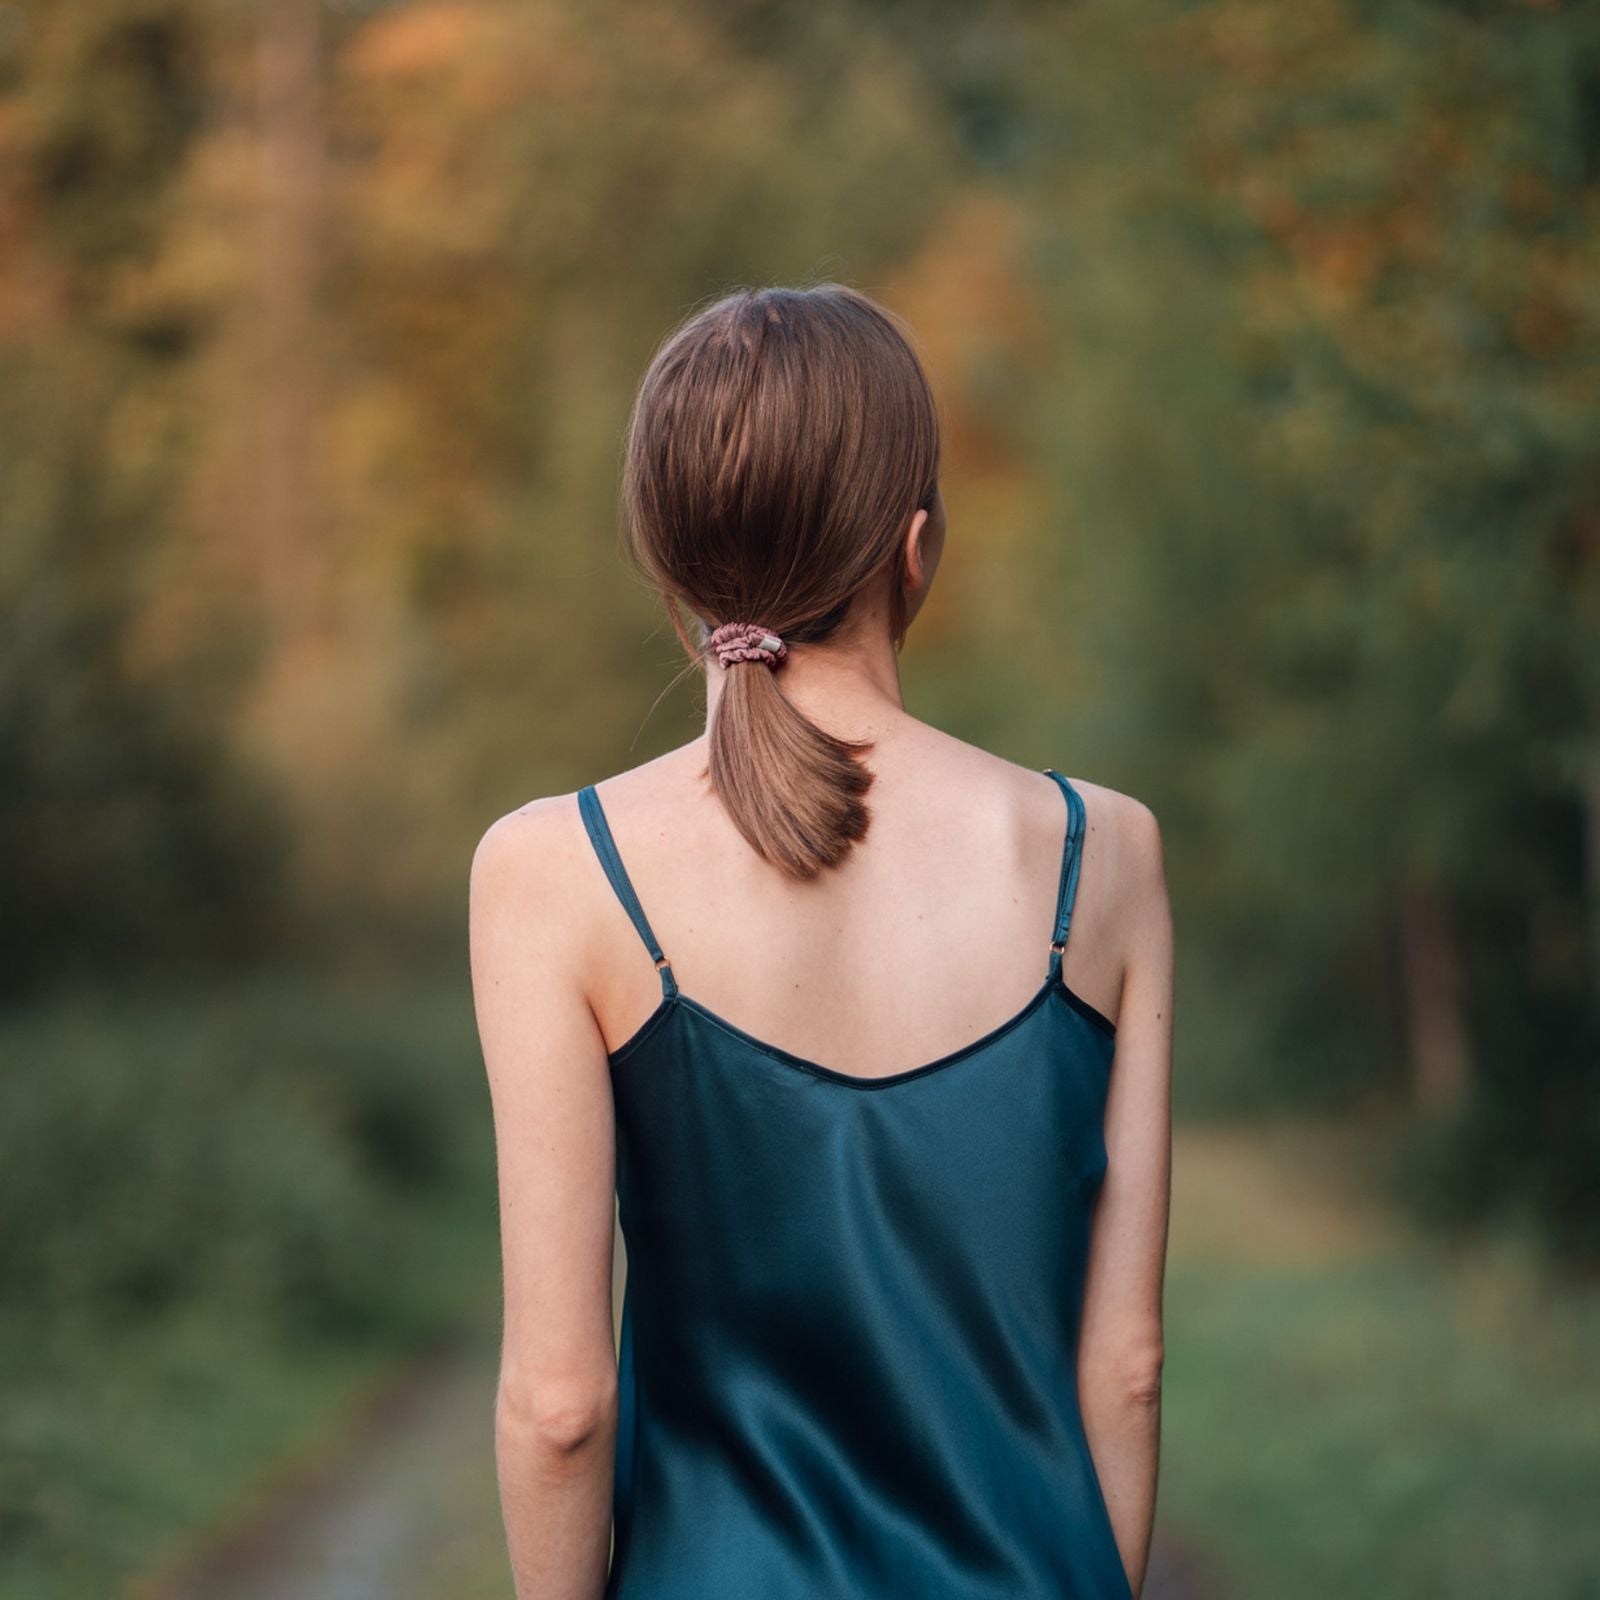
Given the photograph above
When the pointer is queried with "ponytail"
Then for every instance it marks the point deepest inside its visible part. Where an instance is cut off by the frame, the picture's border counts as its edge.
(794, 792)
(780, 443)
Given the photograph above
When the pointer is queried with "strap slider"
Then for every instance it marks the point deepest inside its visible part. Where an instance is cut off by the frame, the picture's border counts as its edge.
(1060, 947)
(661, 961)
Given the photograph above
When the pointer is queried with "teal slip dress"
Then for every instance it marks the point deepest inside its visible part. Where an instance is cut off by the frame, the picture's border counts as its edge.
(847, 1356)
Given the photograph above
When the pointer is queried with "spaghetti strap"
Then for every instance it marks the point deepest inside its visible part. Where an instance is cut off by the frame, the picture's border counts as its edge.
(1071, 861)
(599, 831)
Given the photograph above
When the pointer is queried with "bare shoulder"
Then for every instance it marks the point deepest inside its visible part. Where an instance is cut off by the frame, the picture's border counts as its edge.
(526, 886)
(536, 893)
(1122, 890)
(1126, 876)
(1125, 835)
(524, 847)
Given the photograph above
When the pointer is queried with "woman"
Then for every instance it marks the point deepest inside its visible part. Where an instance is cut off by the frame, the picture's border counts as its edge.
(891, 1153)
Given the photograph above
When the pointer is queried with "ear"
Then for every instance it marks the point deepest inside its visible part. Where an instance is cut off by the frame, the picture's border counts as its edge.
(916, 572)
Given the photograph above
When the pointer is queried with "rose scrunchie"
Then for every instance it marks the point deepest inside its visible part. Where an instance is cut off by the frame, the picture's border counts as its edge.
(747, 641)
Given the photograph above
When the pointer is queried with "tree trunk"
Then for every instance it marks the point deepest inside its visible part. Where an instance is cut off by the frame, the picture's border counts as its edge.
(1591, 887)
(290, 121)
(1431, 963)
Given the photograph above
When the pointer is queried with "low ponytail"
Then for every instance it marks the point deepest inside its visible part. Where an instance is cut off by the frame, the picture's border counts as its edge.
(779, 445)
(795, 792)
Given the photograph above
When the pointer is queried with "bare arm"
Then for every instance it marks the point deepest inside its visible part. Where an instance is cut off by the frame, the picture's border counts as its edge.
(555, 1409)
(1120, 1351)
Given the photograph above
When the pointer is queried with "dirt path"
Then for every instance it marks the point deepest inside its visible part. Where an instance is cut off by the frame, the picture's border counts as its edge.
(404, 1506)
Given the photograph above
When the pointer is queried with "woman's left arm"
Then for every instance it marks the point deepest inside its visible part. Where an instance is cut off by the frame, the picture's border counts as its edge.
(556, 1404)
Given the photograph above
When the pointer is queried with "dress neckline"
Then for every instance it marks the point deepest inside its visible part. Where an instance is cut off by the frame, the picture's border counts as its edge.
(675, 1002)
(679, 1001)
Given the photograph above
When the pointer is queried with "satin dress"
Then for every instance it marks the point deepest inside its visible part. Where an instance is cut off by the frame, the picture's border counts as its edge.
(847, 1354)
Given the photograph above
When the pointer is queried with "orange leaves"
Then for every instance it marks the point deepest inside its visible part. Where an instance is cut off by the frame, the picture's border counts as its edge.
(425, 40)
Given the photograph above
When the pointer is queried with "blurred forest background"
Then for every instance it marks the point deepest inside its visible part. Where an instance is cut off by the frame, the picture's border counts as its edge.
(1265, 338)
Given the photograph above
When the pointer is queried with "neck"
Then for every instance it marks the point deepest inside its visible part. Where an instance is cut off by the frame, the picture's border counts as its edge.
(849, 687)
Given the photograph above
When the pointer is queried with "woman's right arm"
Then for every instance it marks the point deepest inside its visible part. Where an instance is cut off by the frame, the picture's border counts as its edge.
(1121, 1343)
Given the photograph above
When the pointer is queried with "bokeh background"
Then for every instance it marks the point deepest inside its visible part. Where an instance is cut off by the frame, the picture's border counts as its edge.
(1265, 337)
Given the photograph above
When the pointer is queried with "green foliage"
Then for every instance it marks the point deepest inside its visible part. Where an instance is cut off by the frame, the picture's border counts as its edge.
(131, 843)
(1350, 1409)
(218, 1209)
(1525, 1141)
(133, 837)
(266, 1152)
(1324, 283)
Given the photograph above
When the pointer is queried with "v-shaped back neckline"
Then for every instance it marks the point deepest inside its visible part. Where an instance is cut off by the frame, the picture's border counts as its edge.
(675, 1001)
(686, 1003)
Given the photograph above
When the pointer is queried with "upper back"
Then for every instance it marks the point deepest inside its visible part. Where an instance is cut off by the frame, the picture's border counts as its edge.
(935, 929)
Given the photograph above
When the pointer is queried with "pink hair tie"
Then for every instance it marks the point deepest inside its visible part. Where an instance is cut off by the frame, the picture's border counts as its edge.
(747, 641)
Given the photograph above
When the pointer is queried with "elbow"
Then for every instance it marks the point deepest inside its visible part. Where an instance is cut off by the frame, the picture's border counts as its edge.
(557, 1422)
(1141, 1383)
(1127, 1379)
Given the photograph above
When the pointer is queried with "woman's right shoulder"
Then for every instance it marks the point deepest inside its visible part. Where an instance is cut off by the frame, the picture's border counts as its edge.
(1123, 829)
(1122, 834)
(1124, 859)
(1122, 885)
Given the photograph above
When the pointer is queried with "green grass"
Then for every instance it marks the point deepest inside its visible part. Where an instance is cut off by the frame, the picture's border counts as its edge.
(1353, 1410)
(227, 1216)
(123, 1447)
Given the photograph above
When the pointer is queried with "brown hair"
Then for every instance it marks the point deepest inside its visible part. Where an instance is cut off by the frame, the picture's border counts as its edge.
(780, 443)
